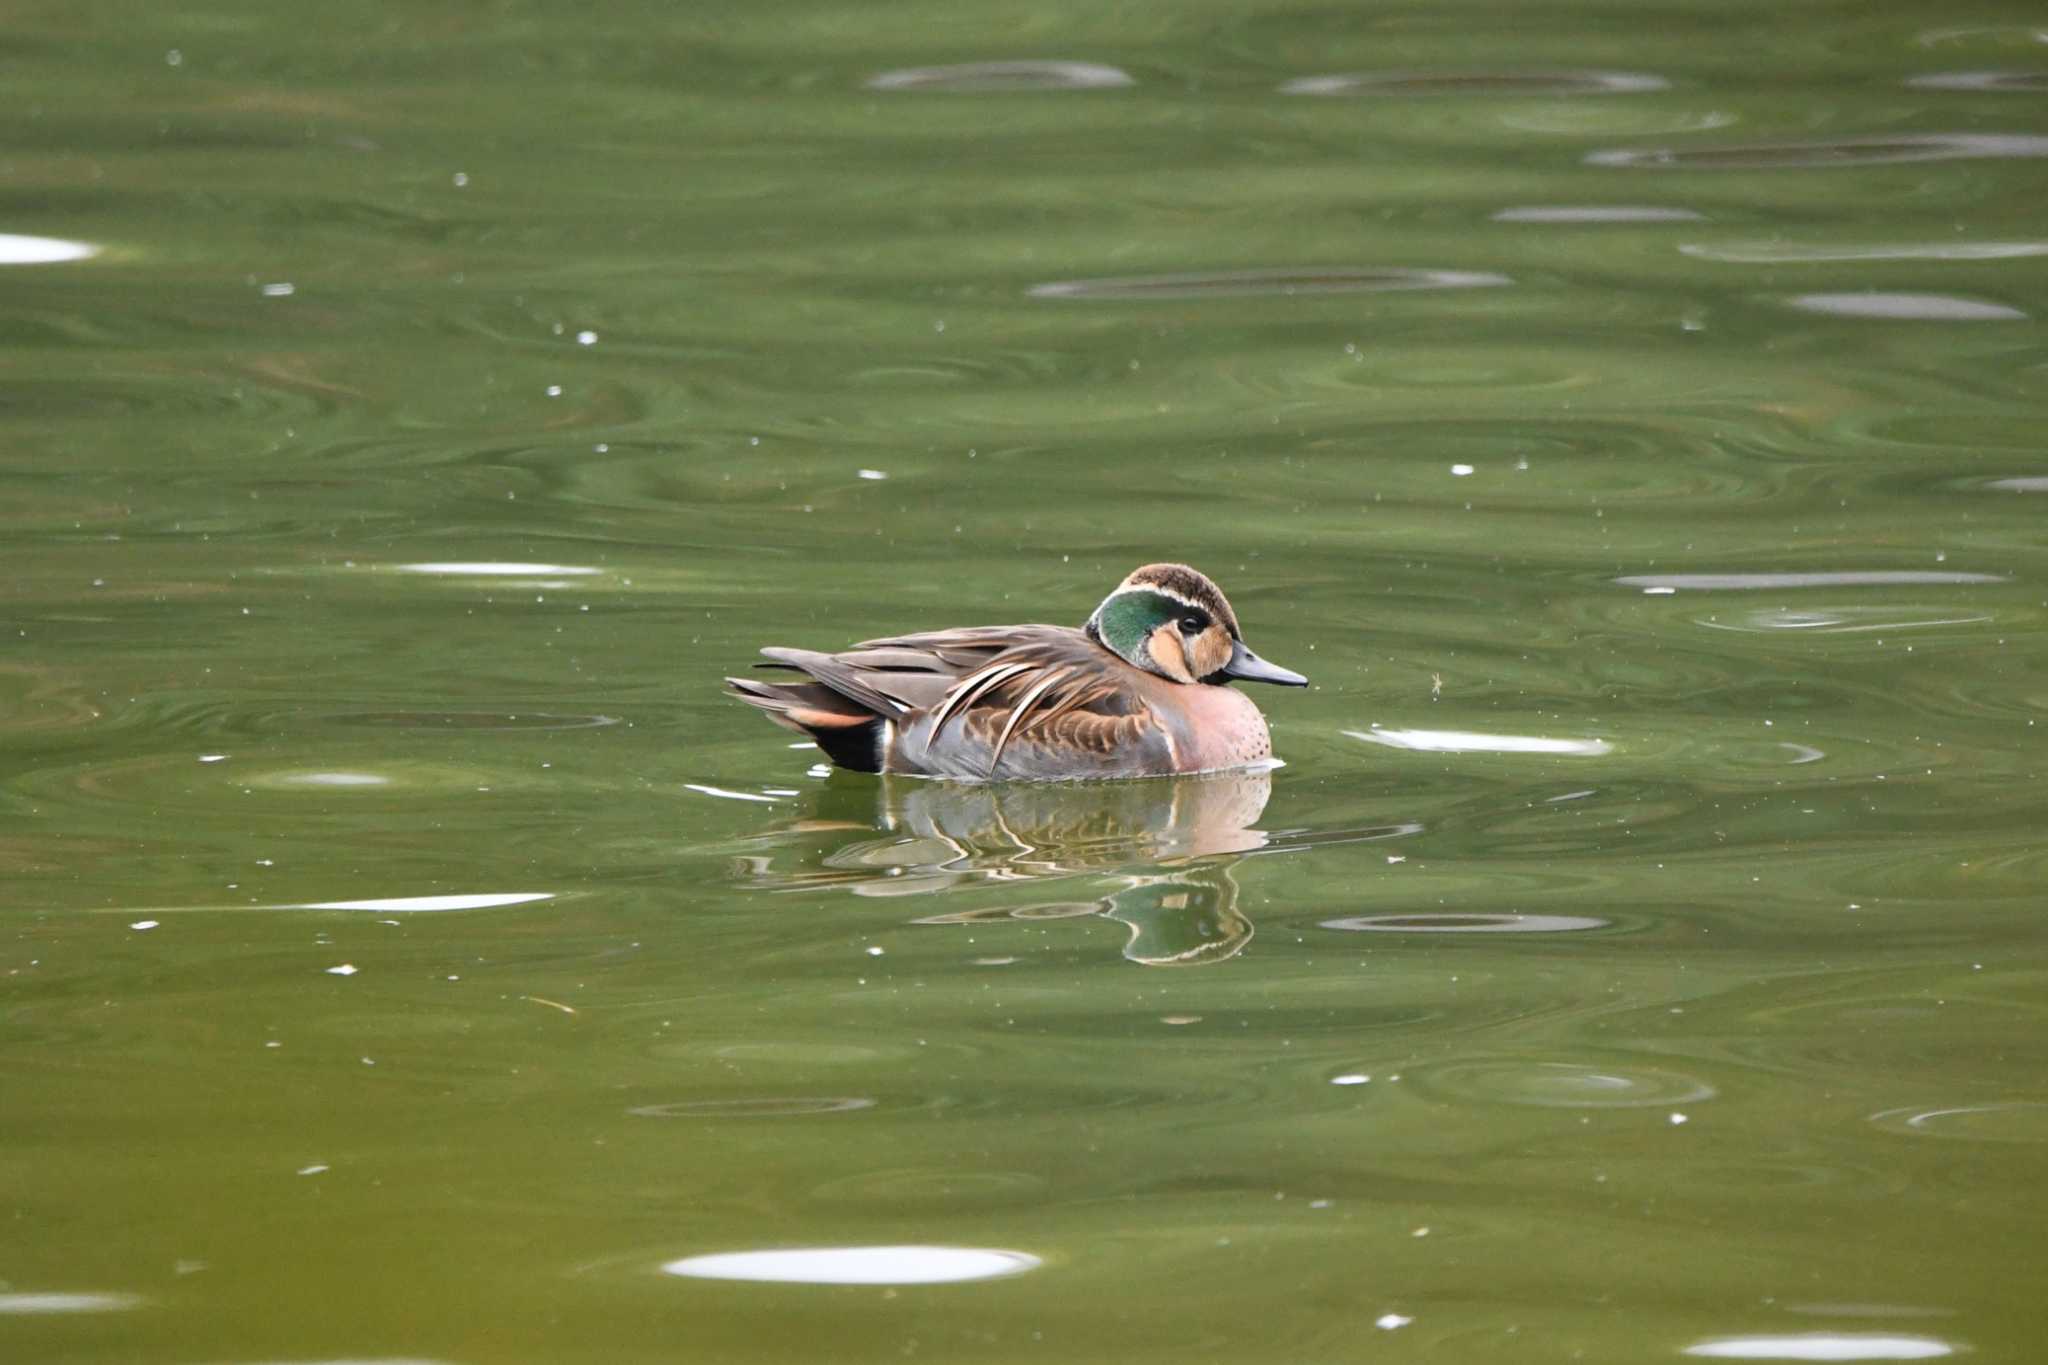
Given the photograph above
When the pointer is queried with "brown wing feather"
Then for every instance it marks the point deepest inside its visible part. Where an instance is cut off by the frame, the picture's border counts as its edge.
(1088, 733)
(977, 693)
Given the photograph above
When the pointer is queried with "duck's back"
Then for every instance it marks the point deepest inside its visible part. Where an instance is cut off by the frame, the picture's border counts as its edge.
(977, 703)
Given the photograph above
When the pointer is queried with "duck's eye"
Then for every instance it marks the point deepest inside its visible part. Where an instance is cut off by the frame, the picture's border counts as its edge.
(1192, 625)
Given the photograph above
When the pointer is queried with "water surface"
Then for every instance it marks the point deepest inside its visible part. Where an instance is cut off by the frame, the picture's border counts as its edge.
(1630, 422)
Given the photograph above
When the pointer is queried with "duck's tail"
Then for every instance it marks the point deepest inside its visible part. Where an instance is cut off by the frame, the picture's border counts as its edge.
(849, 732)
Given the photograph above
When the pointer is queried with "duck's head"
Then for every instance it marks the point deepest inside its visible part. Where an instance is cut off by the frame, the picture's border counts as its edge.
(1170, 620)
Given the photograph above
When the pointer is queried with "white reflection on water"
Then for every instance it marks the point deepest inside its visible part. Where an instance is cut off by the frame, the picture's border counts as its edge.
(1852, 578)
(1470, 742)
(498, 569)
(1836, 620)
(1822, 1346)
(1511, 923)
(1980, 80)
(994, 77)
(1595, 213)
(728, 794)
(2011, 1121)
(758, 1108)
(857, 1265)
(1505, 82)
(2027, 484)
(19, 250)
(1248, 283)
(1848, 151)
(1787, 253)
(419, 904)
(336, 779)
(25, 1304)
(1909, 307)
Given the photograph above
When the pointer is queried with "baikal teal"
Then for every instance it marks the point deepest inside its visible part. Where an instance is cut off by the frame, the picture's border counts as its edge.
(1630, 420)
(1141, 690)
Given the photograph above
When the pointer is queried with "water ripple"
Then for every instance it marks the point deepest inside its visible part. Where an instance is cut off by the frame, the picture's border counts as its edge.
(1470, 742)
(1849, 578)
(1840, 620)
(857, 1265)
(1821, 1346)
(1562, 1085)
(1915, 307)
(755, 1108)
(1852, 151)
(2028, 81)
(2007, 1122)
(998, 77)
(1283, 282)
(1500, 82)
(27, 1303)
(1597, 213)
(1510, 923)
(1788, 253)
(16, 249)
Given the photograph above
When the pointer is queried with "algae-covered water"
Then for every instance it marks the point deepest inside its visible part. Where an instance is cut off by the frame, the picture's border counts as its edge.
(1631, 419)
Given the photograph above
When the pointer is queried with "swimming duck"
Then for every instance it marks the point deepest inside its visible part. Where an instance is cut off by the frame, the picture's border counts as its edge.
(1139, 690)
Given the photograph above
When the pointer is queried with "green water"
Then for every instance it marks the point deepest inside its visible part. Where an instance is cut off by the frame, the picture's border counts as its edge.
(459, 391)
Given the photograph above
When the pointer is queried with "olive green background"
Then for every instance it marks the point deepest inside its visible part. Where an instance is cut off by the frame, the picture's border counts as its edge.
(393, 585)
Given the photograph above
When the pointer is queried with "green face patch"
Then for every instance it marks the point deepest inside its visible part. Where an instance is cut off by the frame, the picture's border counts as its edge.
(1127, 618)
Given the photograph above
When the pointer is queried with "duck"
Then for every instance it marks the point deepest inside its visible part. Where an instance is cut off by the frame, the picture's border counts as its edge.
(1140, 689)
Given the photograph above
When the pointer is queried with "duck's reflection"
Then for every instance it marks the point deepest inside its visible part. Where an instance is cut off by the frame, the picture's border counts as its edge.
(1164, 847)
(1158, 853)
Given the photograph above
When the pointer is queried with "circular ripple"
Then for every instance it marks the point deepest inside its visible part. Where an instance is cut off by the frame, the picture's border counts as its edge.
(1243, 283)
(996, 77)
(1476, 83)
(1841, 620)
(1840, 152)
(1563, 1085)
(2022, 1121)
(1467, 924)
(761, 1108)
